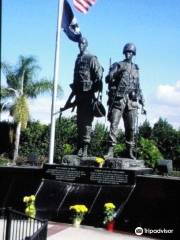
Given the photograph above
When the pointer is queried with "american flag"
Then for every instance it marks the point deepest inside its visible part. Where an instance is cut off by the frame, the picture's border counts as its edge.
(83, 5)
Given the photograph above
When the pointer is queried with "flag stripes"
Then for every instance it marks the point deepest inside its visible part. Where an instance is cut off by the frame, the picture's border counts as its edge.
(83, 5)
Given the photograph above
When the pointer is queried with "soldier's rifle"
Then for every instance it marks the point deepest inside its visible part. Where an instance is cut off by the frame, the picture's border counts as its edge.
(69, 104)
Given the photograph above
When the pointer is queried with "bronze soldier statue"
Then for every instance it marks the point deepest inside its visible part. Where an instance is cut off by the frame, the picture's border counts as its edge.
(124, 95)
(88, 75)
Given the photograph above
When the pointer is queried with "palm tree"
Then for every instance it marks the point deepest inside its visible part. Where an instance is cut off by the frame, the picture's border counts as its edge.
(20, 87)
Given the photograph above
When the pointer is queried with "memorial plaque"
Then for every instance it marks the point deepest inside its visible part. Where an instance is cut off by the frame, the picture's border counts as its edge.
(91, 175)
(100, 176)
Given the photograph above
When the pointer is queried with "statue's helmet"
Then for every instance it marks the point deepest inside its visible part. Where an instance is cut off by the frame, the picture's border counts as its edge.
(129, 47)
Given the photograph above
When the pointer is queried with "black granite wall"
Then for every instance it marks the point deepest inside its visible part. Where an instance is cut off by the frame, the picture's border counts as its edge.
(54, 199)
(15, 183)
(155, 204)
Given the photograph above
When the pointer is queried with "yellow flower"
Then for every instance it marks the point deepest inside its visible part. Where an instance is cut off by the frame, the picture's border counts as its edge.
(27, 210)
(26, 199)
(32, 208)
(109, 212)
(32, 197)
(79, 208)
(99, 160)
(30, 205)
(109, 206)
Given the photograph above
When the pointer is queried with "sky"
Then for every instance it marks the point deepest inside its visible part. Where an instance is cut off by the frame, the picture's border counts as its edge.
(29, 29)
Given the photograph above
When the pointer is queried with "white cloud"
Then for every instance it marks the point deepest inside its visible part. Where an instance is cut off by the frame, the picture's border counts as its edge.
(5, 116)
(40, 109)
(165, 104)
(169, 94)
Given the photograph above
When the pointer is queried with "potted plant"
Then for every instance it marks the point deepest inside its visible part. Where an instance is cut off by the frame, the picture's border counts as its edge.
(109, 215)
(30, 209)
(78, 213)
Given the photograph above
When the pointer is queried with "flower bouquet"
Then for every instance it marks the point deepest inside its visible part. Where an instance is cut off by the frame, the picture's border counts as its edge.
(30, 210)
(100, 161)
(109, 212)
(78, 213)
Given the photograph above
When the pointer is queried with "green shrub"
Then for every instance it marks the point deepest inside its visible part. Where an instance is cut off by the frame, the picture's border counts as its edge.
(66, 137)
(98, 143)
(34, 140)
(148, 151)
(68, 149)
(4, 161)
(119, 149)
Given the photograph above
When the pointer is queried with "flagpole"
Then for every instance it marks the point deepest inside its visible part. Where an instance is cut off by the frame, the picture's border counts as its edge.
(55, 81)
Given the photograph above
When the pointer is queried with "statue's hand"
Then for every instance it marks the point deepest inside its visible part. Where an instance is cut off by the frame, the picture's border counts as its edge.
(107, 79)
(143, 111)
(61, 109)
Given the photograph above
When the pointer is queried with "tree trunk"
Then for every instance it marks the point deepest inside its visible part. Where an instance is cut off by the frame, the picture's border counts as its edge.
(18, 128)
(17, 140)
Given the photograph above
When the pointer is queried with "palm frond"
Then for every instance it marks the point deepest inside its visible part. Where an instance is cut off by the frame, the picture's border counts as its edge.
(28, 67)
(8, 93)
(6, 107)
(6, 68)
(38, 87)
(3, 93)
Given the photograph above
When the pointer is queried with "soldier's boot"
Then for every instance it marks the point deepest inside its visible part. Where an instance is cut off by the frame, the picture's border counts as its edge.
(130, 152)
(84, 150)
(79, 152)
(110, 153)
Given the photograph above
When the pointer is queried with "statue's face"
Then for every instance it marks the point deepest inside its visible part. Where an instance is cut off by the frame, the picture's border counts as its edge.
(82, 46)
(129, 55)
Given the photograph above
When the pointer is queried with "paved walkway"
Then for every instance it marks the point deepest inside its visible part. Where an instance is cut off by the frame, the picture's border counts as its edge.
(60, 231)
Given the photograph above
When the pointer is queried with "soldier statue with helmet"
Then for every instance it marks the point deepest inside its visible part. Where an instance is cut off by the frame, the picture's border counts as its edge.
(124, 96)
(87, 81)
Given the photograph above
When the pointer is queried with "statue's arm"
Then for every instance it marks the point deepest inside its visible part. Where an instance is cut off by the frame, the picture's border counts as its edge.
(97, 70)
(141, 98)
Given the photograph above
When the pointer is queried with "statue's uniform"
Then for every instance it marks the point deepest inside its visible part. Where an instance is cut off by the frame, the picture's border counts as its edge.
(124, 95)
(87, 80)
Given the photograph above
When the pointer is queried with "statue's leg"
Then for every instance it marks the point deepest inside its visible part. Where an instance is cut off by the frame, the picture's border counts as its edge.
(86, 138)
(79, 141)
(86, 129)
(114, 122)
(80, 130)
(129, 117)
(84, 121)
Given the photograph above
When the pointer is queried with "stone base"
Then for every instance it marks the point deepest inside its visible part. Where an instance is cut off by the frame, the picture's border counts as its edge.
(71, 160)
(115, 163)
(124, 163)
(93, 175)
(75, 160)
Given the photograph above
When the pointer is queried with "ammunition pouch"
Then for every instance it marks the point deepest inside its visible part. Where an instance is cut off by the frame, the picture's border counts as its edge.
(98, 109)
(113, 92)
(132, 105)
(83, 86)
(86, 85)
(133, 95)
